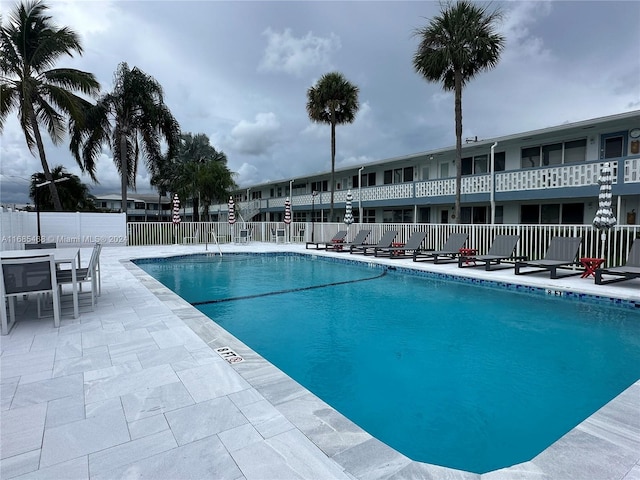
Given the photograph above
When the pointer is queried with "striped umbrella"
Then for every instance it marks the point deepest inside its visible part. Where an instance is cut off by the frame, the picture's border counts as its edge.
(287, 211)
(348, 209)
(176, 209)
(604, 219)
(232, 211)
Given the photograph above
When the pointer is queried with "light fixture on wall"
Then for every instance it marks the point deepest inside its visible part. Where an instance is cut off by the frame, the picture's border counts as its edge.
(592, 139)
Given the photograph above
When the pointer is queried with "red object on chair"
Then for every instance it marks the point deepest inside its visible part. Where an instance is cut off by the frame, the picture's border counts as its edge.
(590, 266)
(468, 254)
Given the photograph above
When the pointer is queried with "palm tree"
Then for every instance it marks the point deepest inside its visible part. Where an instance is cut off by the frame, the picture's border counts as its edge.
(74, 195)
(332, 100)
(133, 119)
(194, 152)
(456, 45)
(215, 182)
(30, 44)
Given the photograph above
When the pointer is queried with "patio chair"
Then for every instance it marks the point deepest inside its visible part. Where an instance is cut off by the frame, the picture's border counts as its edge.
(400, 251)
(449, 251)
(502, 249)
(244, 236)
(631, 269)
(39, 246)
(338, 237)
(23, 276)
(193, 238)
(359, 239)
(91, 273)
(562, 253)
(385, 241)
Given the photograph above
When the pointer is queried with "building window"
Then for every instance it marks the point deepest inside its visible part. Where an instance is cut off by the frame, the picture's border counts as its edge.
(575, 151)
(473, 215)
(400, 215)
(530, 157)
(573, 213)
(398, 175)
(467, 166)
(368, 180)
(554, 154)
(322, 186)
(552, 214)
(499, 161)
(368, 215)
(139, 206)
(474, 165)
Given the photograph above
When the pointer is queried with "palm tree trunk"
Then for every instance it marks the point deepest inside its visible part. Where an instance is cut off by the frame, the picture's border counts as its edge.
(124, 171)
(458, 115)
(333, 163)
(53, 190)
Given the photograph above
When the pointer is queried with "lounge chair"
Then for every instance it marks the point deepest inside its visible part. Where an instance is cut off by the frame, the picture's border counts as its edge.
(502, 249)
(385, 241)
(359, 239)
(450, 250)
(337, 238)
(413, 244)
(631, 269)
(562, 253)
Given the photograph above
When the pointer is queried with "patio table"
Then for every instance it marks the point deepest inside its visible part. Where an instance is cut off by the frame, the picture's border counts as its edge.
(590, 265)
(62, 256)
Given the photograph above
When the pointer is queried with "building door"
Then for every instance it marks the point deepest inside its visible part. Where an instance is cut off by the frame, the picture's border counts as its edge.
(613, 145)
(444, 215)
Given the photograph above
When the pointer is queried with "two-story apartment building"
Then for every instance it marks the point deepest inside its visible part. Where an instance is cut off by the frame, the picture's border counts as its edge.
(546, 176)
(140, 207)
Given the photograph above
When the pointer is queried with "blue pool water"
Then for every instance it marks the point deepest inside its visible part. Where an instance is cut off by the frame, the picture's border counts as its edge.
(446, 372)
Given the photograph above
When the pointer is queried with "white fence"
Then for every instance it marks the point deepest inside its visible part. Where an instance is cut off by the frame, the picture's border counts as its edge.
(533, 243)
(111, 229)
(63, 228)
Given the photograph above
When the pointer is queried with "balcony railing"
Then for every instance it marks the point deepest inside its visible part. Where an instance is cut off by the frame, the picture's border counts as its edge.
(562, 176)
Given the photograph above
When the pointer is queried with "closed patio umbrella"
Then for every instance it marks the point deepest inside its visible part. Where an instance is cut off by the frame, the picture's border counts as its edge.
(287, 214)
(232, 215)
(176, 214)
(604, 219)
(348, 209)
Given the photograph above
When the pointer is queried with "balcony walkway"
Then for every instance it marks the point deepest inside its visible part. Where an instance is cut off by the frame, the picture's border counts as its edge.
(134, 389)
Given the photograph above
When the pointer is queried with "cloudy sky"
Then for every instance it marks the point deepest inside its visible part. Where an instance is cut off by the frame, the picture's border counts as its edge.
(238, 71)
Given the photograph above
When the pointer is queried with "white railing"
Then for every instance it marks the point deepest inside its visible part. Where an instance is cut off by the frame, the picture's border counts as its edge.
(534, 239)
(578, 175)
(632, 170)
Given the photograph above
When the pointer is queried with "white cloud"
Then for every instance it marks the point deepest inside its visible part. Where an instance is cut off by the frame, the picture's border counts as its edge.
(297, 56)
(257, 137)
(248, 174)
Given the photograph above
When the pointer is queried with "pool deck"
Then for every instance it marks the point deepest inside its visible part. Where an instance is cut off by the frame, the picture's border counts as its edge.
(135, 389)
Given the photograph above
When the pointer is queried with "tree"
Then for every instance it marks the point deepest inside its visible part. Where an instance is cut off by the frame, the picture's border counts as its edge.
(30, 44)
(332, 100)
(198, 171)
(132, 120)
(74, 195)
(457, 44)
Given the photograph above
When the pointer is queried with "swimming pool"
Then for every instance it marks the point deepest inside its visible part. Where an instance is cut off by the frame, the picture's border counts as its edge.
(460, 383)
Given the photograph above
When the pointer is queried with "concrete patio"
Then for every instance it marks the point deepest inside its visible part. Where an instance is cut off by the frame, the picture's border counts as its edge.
(136, 390)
